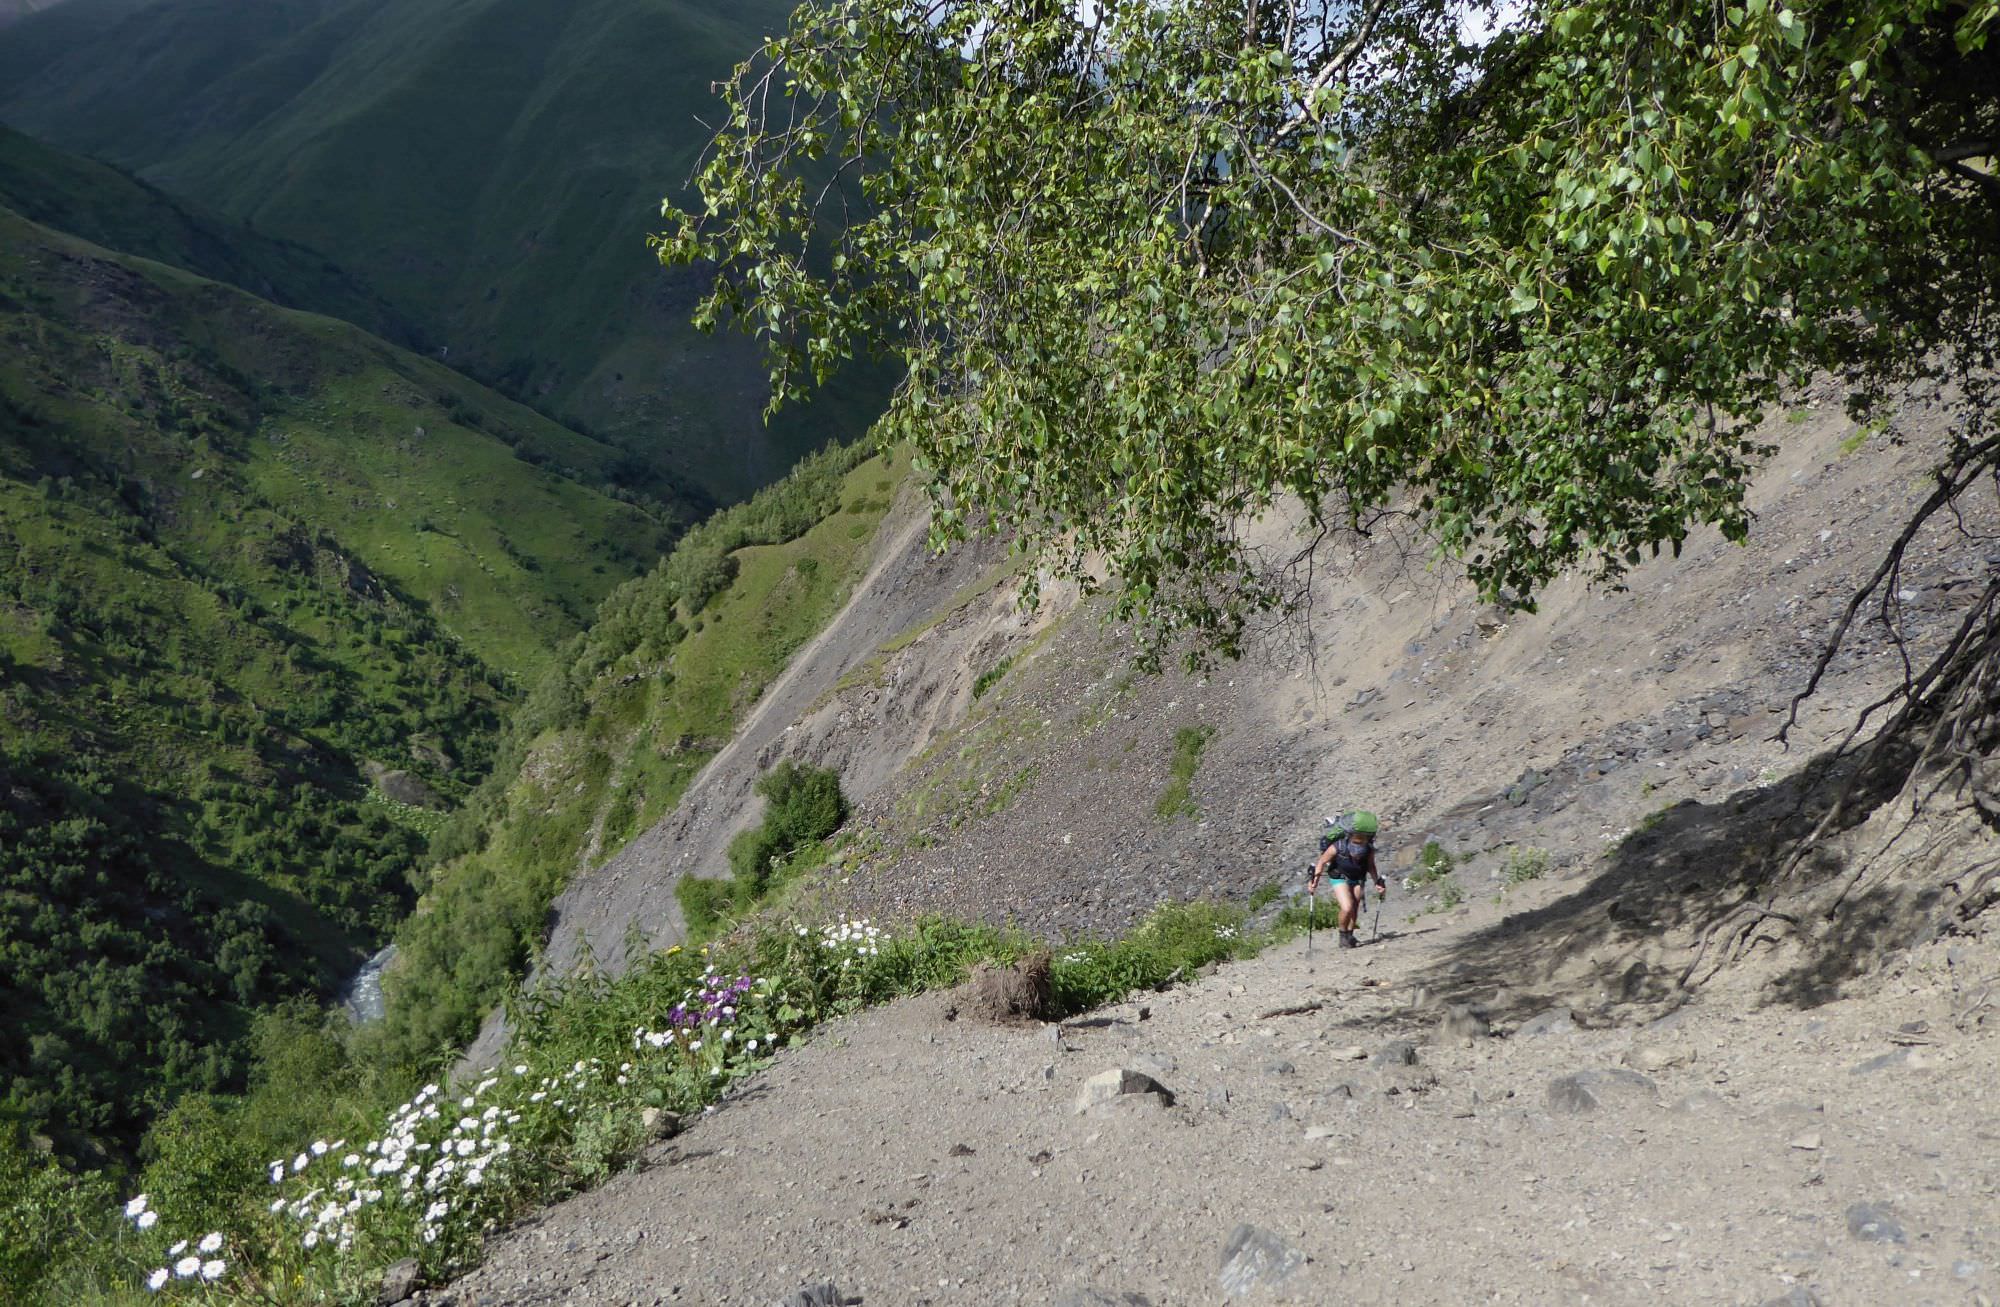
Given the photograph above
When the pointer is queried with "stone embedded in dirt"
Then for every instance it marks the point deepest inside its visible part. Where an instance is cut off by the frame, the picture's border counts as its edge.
(1874, 1223)
(1702, 1102)
(1462, 1025)
(1882, 1061)
(658, 1123)
(1279, 1067)
(1099, 1298)
(1586, 1091)
(1800, 1296)
(1810, 1141)
(1555, 1021)
(1254, 1258)
(1352, 1053)
(1397, 1052)
(1121, 1082)
(1657, 1057)
(398, 1282)
(814, 1295)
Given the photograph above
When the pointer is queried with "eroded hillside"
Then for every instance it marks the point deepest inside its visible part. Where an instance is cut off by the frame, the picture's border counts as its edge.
(1568, 1065)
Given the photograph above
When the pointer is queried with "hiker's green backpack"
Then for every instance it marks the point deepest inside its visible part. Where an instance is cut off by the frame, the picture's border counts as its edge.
(1357, 822)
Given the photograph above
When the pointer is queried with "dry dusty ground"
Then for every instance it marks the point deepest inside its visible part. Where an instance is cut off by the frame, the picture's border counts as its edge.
(1817, 1121)
(910, 1159)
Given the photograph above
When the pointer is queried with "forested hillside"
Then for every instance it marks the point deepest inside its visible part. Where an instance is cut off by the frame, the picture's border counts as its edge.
(269, 584)
(491, 169)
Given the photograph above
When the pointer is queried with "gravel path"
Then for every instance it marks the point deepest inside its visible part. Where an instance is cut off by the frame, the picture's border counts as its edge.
(1843, 1155)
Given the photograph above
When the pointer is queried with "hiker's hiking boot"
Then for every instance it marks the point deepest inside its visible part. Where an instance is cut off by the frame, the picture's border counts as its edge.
(1347, 939)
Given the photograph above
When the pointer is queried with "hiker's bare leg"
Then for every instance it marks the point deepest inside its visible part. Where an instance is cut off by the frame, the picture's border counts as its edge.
(1344, 895)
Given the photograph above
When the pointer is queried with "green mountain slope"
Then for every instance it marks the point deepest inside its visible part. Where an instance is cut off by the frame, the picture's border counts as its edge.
(249, 557)
(492, 167)
(116, 210)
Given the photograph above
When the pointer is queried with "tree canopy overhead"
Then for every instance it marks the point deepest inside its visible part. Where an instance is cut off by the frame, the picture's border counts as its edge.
(1152, 264)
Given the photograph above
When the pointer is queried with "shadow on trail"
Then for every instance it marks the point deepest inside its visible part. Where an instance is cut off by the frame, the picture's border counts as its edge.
(1622, 938)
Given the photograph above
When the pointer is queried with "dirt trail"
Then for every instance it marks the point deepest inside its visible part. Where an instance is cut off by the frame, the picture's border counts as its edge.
(1842, 1155)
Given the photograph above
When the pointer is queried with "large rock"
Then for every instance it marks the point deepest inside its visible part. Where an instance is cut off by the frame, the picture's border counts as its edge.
(1108, 1087)
(1254, 1258)
(1587, 1091)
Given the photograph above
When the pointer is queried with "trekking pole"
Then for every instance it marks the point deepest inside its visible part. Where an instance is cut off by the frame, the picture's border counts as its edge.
(1376, 933)
(1312, 910)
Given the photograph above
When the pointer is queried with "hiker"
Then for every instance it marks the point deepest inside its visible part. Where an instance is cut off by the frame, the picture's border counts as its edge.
(1349, 859)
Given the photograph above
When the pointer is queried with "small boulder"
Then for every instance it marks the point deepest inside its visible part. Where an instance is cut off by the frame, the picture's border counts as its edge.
(1014, 995)
(1874, 1223)
(1253, 1258)
(658, 1123)
(1555, 1021)
(1120, 1082)
(1397, 1052)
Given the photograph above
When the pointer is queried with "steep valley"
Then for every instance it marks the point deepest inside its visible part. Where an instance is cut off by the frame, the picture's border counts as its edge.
(270, 584)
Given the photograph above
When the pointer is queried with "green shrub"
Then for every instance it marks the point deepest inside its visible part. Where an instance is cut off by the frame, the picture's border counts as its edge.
(991, 677)
(49, 1220)
(1177, 800)
(705, 904)
(1433, 865)
(1524, 864)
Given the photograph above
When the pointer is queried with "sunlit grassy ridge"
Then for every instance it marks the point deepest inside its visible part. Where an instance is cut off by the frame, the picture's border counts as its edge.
(492, 168)
(609, 739)
(247, 552)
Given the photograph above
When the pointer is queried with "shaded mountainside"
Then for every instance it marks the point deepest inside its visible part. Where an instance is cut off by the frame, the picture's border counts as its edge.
(116, 210)
(492, 169)
(254, 558)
